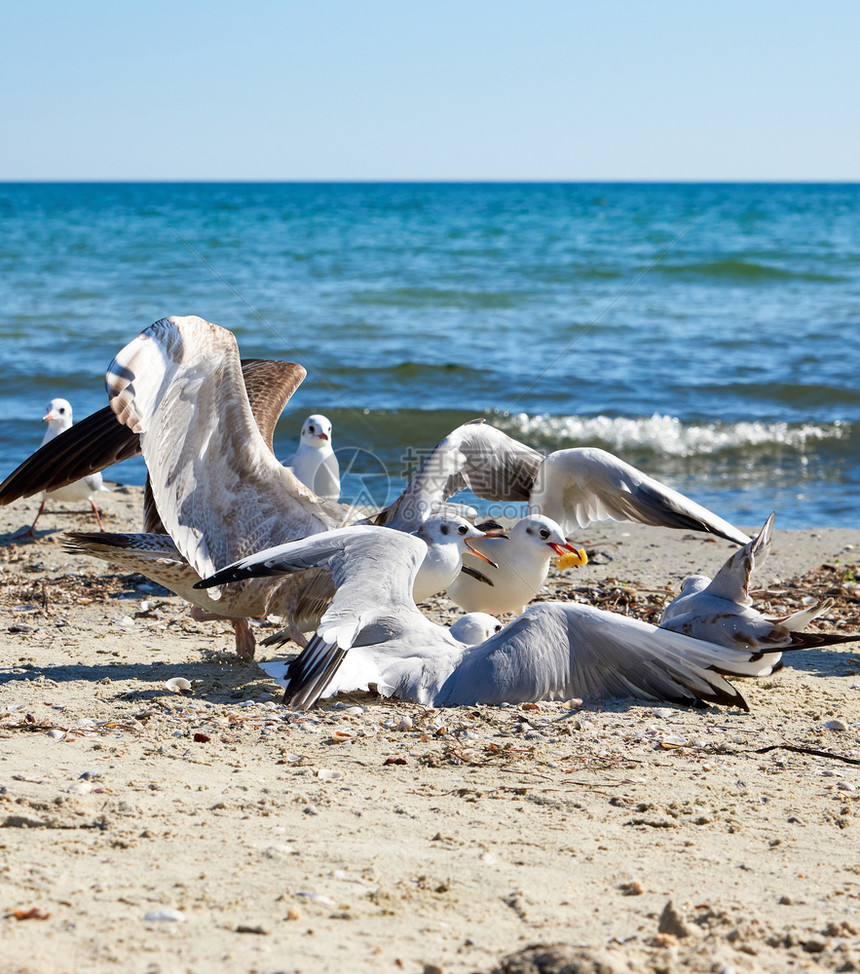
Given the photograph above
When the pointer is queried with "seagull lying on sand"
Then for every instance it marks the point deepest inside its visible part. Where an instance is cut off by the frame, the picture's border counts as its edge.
(469, 629)
(373, 633)
(721, 610)
(573, 487)
(523, 556)
(314, 462)
(59, 420)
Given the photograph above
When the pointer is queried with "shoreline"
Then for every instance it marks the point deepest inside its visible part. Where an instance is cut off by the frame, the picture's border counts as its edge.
(370, 836)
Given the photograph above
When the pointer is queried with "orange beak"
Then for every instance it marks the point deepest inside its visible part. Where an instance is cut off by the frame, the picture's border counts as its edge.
(479, 554)
(560, 549)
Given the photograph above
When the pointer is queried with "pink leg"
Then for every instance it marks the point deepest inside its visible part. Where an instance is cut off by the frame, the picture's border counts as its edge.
(96, 512)
(297, 636)
(245, 644)
(32, 532)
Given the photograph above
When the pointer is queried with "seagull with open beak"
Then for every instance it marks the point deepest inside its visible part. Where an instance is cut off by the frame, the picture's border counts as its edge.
(523, 557)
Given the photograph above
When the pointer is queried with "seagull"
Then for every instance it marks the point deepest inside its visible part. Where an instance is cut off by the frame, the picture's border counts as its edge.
(523, 557)
(573, 487)
(59, 419)
(474, 628)
(242, 401)
(374, 634)
(314, 462)
(721, 610)
(469, 629)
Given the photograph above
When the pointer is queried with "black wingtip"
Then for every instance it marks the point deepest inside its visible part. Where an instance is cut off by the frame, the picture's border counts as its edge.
(310, 673)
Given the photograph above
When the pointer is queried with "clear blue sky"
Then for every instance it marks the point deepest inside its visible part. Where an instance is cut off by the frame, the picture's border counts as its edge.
(405, 89)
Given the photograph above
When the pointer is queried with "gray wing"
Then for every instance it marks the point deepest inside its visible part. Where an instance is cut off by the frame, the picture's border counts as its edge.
(373, 570)
(720, 609)
(218, 488)
(583, 484)
(490, 463)
(560, 650)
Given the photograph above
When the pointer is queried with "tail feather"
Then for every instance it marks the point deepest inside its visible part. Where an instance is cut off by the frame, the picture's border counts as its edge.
(800, 620)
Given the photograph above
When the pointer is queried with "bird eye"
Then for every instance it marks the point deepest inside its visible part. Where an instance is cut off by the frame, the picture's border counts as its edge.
(544, 533)
(61, 410)
(498, 628)
(310, 429)
(463, 529)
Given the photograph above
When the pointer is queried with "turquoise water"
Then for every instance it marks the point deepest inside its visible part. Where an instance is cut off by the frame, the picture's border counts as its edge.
(707, 333)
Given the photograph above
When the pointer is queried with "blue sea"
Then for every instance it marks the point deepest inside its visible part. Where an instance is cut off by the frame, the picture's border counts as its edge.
(707, 333)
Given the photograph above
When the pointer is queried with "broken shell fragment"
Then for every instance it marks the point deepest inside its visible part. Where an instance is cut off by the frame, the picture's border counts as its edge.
(178, 684)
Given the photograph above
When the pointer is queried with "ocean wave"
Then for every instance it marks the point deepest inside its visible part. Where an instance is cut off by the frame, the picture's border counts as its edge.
(668, 434)
(439, 297)
(744, 271)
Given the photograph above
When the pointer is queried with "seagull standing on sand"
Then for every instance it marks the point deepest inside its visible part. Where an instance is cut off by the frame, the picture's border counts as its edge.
(555, 650)
(314, 462)
(59, 419)
(523, 556)
(721, 610)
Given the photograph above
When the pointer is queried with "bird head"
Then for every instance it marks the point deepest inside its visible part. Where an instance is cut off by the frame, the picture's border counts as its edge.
(316, 431)
(538, 530)
(450, 529)
(59, 414)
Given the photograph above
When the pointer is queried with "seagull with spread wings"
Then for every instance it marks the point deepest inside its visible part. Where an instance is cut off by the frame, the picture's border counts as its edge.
(573, 487)
(373, 634)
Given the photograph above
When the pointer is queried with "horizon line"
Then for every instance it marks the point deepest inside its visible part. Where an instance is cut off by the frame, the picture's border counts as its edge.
(438, 182)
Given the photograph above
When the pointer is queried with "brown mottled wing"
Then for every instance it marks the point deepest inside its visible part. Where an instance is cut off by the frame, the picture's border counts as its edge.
(151, 521)
(269, 386)
(220, 491)
(101, 440)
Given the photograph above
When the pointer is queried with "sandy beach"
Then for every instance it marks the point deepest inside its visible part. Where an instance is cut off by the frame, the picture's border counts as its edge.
(143, 830)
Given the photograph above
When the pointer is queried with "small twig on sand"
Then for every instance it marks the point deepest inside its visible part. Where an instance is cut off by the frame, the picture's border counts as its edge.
(799, 749)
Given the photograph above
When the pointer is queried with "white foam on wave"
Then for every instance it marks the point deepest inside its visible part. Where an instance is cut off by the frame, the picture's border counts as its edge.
(667, 434)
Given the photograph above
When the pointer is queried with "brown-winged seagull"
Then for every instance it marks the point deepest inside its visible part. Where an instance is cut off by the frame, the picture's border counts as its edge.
(219, 491)
(101, 440)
